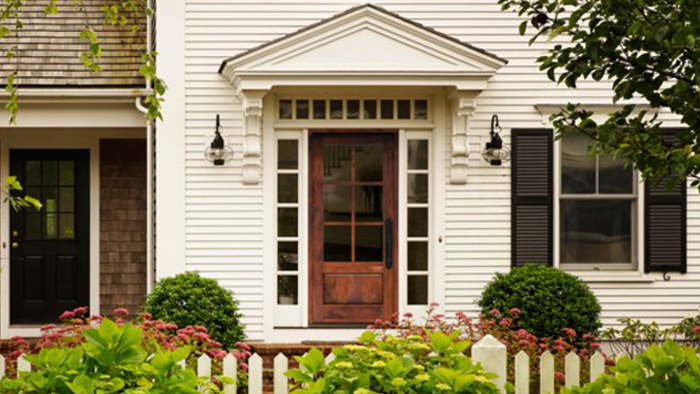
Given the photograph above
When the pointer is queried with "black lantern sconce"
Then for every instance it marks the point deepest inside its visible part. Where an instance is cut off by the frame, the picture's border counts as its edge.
(495, 153)
(218, 152)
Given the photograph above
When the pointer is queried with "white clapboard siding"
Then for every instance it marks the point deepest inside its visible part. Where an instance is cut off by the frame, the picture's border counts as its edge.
(477, 242)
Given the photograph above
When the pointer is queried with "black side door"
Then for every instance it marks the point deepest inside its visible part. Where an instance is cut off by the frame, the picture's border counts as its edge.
(50, 248)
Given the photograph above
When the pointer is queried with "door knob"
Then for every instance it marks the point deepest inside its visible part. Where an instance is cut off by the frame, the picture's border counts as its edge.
(15, 245)
(15, 233)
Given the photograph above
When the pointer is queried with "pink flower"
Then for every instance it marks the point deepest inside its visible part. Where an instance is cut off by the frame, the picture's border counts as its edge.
(121, 312)
(243, 346)
(83, 310)
(559, 348)
(559, 377)
(595, 346)
(66, 315)
(569, 332)
(48, 327)
(696, 329)
(588, 337)
(514, 311)
(434, 304)
(504, 323)
(408, 315)
(145, 316)
(495, 313)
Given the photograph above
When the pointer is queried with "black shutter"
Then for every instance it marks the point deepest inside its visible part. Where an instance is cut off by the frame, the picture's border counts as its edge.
(532, 197)
(665, 224)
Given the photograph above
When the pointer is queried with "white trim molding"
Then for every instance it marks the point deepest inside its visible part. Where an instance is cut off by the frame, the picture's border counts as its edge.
(464, 105)
(600, 110)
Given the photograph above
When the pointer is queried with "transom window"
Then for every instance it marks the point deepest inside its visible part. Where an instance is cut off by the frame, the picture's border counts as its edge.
(352, 109)
(597, 209)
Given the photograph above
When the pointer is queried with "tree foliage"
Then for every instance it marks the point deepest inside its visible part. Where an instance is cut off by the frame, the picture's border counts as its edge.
(116, 13)
(648, 49)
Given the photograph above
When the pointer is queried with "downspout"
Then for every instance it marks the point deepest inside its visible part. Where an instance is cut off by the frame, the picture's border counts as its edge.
(150, 137)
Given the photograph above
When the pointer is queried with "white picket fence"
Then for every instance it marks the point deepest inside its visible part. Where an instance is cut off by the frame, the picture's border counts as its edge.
(488, 351)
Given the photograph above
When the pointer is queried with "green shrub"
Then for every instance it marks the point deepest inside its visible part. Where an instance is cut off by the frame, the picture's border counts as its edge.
(549, 300)
(389, 364)
(660, 369)
(190, 300)
(111, 360)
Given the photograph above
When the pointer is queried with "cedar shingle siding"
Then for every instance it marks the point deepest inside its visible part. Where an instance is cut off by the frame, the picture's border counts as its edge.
(50, 47)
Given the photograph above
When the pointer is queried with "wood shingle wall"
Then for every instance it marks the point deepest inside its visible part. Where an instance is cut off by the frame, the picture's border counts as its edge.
(49, 52)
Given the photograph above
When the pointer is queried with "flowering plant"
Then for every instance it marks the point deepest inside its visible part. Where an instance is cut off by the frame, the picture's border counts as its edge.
(156, 336)
(394, 364)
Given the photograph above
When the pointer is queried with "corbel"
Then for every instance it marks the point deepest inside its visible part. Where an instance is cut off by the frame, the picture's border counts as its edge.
(463, 106)
(252, 103)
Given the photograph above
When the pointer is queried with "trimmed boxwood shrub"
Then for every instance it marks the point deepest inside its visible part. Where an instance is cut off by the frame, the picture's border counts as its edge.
(549, 300)
(190, 300)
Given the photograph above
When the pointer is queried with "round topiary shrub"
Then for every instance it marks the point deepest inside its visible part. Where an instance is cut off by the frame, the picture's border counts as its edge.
(549, 300)
(190, 300)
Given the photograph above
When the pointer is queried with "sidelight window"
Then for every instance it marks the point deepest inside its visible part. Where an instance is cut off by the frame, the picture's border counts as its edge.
(418, 221)
(288, 222)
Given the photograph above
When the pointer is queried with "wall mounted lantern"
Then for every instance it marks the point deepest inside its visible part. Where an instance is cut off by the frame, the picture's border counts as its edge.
(495, 153)
(218, 152)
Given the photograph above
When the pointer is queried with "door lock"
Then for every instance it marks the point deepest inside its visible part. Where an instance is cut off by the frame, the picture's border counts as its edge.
(15, 233)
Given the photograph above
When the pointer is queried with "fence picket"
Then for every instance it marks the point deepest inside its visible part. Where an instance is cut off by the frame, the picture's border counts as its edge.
(597, 366)
(2, 367)
(230, 370)
(255, 374)
(203, 370)
(572, 370)
(330, 357)
(281, 365)
(23, 365)
(547, 373)
(522, 373)
(493, 356)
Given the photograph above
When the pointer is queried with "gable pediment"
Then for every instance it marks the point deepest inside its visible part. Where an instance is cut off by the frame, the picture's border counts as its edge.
(365, 40)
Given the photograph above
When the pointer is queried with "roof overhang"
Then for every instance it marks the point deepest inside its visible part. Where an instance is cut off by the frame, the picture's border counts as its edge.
(365, 45)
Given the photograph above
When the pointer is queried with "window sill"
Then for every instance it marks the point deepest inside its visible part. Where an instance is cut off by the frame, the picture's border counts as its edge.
(613, 276)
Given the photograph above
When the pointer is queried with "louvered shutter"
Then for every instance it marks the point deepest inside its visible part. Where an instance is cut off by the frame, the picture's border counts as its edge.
(532, 197)
(665, 224)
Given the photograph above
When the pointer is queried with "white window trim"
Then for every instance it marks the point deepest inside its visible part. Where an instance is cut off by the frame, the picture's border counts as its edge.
(635, 274)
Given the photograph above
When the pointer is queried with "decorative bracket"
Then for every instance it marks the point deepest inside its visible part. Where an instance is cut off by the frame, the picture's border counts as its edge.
(463, 106)
(252, 103)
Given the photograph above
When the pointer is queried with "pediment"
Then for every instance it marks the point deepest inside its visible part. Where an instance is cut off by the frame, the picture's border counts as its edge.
(366, 40)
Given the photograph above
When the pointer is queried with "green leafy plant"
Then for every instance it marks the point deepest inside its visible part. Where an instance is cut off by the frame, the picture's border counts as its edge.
(549, 299)
(390, 364)
(669, 368)
(648, 49)
(189, 299)
(111, 360)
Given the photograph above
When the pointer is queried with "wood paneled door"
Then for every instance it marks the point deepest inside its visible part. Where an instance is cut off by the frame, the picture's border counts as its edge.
(352, 226)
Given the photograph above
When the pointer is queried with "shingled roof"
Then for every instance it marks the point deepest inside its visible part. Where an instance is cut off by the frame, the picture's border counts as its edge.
(49, 48)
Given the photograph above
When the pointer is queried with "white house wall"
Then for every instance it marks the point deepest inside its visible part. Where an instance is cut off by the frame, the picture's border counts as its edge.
(223, 218)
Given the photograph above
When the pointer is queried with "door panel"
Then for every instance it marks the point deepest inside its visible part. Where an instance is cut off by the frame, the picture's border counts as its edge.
(50, 248)
(353, 186)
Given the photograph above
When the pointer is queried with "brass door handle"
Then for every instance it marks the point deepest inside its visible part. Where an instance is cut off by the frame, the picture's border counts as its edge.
(15, 245)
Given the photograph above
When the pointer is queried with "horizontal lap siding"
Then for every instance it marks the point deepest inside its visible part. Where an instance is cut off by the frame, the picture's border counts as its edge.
(224, 225)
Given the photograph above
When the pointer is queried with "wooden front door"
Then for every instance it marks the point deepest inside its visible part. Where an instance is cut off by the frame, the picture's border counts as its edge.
(353, 228)
(50, 248)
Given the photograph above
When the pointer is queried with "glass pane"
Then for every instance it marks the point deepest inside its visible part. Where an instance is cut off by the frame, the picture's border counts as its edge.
(596, 231)
(417, 256)
(404, 107)
(353, 109)
(66, 173)
(287, 222)
(370, 109)
(285, 109)
(66, 223)
(614, 178)
(287, 256)
(368, 204)
(32, 173)
(287, 154)
(336, 109)
(418, 154)
(369, 160)
(337, 243)
(417, 188)
(50, 196)
(302, 109)
(287, 290)
(32, 225)
(417, 222)
(337, 162)
(50, 173)
(417, 290)
(387, 109)
(336, 203)
(577, 168)
(421, 109)
(66, 199)
(368, 243)
(51, 225)
(287, 188)
(319, 109)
